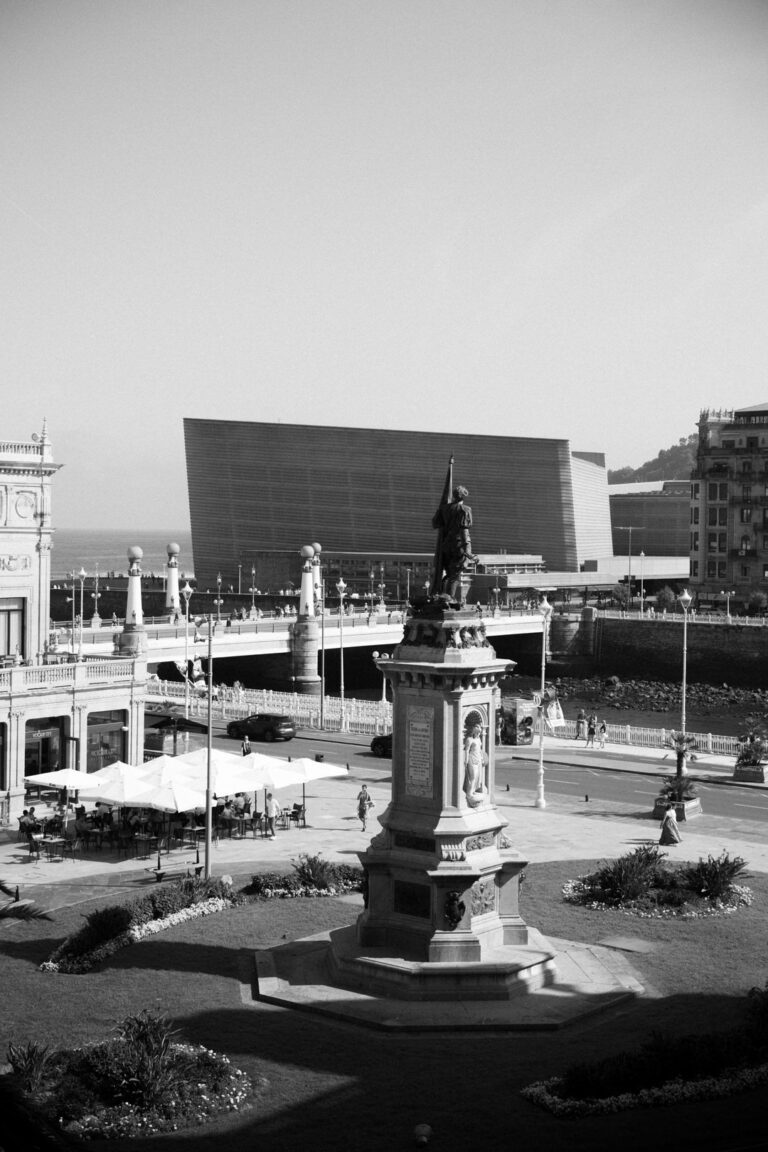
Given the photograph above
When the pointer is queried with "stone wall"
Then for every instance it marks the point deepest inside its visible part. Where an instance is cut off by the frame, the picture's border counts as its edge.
(735, 654)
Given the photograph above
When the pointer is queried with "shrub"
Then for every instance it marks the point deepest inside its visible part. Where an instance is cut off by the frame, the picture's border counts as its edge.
(627, 878)
(271, 881)
(714, 877)
(314, 871)
(29, 1062)
(101, 925)
(678, 788)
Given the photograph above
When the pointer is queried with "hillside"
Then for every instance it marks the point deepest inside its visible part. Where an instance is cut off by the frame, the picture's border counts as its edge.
(673, 463)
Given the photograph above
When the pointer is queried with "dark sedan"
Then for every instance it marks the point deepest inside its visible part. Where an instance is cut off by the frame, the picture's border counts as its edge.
(381, 746)
(263, 726)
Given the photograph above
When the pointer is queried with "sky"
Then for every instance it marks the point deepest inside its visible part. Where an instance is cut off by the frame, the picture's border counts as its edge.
(522, 217)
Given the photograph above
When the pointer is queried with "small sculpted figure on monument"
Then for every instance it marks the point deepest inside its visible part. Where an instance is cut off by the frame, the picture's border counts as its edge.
(474, 764)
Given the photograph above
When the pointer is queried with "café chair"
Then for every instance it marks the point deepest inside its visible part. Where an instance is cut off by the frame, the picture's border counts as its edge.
(296, 816)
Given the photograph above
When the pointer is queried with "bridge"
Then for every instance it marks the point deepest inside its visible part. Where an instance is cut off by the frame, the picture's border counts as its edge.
(273, 635)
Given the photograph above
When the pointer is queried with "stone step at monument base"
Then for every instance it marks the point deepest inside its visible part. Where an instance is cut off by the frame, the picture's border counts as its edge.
(587, 979)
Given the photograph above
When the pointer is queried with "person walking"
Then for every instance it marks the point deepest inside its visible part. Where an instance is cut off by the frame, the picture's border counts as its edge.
(670, 833)
(580, 722)
(601, 734)
(271, 813)
(591, 730)
(245, 747)
(364, 804)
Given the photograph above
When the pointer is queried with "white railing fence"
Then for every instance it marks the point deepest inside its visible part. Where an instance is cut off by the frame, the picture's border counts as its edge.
(367, 717)
(373, 717)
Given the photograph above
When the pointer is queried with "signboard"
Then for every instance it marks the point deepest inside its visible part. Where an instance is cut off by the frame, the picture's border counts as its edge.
(419, 751)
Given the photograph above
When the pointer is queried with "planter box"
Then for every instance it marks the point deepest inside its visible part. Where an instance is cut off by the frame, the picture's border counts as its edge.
(750, 773)
(684, 811)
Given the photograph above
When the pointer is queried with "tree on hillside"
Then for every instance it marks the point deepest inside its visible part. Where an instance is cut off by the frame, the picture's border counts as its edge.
(673, 463)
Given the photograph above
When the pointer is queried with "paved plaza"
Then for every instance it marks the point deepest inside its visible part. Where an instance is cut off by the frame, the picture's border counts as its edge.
(566, 829)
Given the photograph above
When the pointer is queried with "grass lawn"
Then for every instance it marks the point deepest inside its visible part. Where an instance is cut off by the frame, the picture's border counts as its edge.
(334, 1087)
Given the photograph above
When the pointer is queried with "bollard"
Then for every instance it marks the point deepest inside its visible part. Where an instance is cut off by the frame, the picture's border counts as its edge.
(587, 799)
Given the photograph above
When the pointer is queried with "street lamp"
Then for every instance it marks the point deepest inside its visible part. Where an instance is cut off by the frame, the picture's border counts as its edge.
(96, 596)
(341, 589)
(642, 589)
(629, 528)
(371, 577)
(728, 604)
(407, 586)
(239, 579)
(218, 600)
(209, 759)
(81, 577)
(186, 593)
(252, 588)
(685, 600)
(382, 656)
(546, 611)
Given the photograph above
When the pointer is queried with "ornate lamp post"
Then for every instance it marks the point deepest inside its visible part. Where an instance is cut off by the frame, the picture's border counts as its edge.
(186, 593)
(81, 577)
(642, 588)
(341, 589)
(371, 577)
(252, 588)
(96, 596)
(727, 604)
(382, 656)
(685, 601)
(218, 602)
(546, 611)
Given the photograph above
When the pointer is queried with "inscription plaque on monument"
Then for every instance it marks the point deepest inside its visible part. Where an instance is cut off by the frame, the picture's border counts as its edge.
(418, 764)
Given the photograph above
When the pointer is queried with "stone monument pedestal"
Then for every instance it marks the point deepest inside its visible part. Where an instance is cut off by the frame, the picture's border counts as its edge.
(442, 917)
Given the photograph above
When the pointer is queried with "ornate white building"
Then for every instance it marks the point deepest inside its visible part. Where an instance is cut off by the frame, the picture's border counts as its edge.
(55, 711)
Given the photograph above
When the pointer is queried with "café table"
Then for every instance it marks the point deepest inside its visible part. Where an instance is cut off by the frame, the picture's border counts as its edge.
(54, 846)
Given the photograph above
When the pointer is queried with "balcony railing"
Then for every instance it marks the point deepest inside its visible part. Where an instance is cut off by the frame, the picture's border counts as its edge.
(23, 678)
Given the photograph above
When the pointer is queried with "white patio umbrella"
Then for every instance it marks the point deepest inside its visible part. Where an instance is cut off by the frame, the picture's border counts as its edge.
(70, 779)
(175, 796)
(268, 772)
(228, 773)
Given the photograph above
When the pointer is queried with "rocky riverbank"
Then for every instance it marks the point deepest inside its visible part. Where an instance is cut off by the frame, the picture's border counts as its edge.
(712, 708)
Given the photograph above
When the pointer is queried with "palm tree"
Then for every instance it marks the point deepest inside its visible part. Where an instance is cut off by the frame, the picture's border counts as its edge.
(681, 787)
(19, 909)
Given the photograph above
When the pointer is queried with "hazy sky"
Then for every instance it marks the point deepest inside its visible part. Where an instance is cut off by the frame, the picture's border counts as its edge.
(529, 217)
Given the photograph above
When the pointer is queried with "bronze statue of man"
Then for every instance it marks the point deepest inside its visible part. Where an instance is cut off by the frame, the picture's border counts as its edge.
(453, 554)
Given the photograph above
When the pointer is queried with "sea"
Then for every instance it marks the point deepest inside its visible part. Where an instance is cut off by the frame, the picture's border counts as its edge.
(106, 550)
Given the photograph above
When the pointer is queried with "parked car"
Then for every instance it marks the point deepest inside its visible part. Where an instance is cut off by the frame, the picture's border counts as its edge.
(381, 746)
(263, 726)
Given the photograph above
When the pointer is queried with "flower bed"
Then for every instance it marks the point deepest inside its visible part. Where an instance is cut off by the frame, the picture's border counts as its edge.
(135, 1084)
(666, 1070)
(641, 884)
(544, 1093)
(59, 961)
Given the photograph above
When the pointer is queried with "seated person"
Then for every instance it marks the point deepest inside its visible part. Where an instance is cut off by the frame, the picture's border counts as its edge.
(238, 804)
(82, 826)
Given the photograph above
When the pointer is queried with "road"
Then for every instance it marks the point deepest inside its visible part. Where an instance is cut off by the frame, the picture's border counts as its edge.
(635, 788)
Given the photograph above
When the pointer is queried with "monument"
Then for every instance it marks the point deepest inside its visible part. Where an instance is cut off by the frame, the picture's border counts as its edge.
(442, 915)
(441, 942)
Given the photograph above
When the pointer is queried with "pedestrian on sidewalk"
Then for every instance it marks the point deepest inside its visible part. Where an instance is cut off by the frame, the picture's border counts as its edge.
(581, 720)
(670, 833)
(364, 804)
(271, 813)
(246, 745)
(601, 733)
(591, 729)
